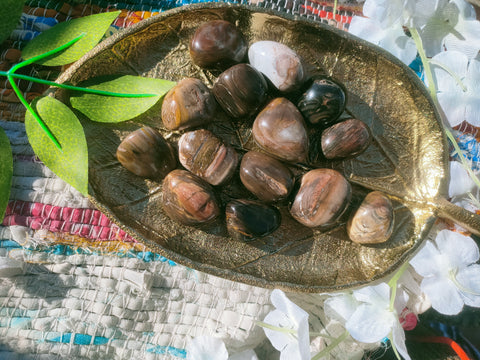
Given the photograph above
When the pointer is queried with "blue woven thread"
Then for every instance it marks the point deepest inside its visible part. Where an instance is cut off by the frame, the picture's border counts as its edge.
(470, 148)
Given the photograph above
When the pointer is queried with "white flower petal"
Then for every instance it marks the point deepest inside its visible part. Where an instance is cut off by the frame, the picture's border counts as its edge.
(443, 295)
(400, 45)
(472, 81)
(461, 250)
(292, 351)
(453, 105)
(248, 354)
(400, 301)
(279, 339)
(288, 315)
(460, 180)
(282, 303)
(472, 108)
(465, 39)
(432, 35)
(378, 295)
(466, 10)
(469, 278)
(340, 307)
(206, 348)
(367, 29)
(456, 62)
(398, 338)
(422, 261)
(370, 324)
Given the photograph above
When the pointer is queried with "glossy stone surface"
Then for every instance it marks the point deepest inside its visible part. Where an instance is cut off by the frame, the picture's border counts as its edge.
(188, 199)
(280, 130)
(205, 155)
(279, 63)
(240, 90)
(189, 103)
(322, 199)
(373, 222)
(345, 139)
(146, 153)
(248, 219)
(217, 43)
(266, 177)
(323, 102)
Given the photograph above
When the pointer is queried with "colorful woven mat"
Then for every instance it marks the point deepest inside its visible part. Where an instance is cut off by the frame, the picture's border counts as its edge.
(72, 284)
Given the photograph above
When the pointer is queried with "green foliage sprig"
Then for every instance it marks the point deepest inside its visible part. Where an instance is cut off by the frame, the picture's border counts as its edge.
(54, 131)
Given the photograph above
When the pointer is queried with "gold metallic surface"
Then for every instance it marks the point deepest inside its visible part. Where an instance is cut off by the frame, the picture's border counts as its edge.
(408, 158)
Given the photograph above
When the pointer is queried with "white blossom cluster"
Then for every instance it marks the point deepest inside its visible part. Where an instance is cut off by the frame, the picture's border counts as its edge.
(444, 274)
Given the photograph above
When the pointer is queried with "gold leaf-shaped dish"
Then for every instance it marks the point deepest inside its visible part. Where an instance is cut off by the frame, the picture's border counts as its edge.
(408, 158)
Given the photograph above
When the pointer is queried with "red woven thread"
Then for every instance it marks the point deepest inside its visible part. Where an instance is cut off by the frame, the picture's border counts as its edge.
(88, 223)
(443, 340)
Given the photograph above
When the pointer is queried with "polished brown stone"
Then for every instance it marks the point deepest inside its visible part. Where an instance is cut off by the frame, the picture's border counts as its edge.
(266, 177)
(240, 90)
(205, 155)
(373, 222)
(345, 139)
(146, 153)
(322, 199)
(217, 43)
(248, 219)
(189, 103)
(323, 102)
(280, 130)
(188, 199)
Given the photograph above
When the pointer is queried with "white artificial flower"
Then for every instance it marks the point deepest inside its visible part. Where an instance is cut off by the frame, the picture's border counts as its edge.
(391, 38)
(460, 180)
(294, 343)
(374, 320)
(451, 277)
(384, 25)
(367, 315)
(454, 27)
(211, 348)
(206, 348)
(458, 95)
(418, 301)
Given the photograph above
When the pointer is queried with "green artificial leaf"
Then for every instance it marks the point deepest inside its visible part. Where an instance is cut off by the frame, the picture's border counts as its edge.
(93, 26)
(70, 163)
(9, 16)
(6, 172)
(112, 109)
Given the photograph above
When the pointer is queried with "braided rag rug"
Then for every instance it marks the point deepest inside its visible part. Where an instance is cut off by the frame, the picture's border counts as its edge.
(72, 284)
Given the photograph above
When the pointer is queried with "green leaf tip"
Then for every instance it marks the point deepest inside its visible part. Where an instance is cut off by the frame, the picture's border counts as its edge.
(94, 26)
(70, 163)
(113, 109)
(6, 172)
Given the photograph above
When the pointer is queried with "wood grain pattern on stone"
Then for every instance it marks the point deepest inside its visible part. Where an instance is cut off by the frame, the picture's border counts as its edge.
(145, 153)
(265, 177)
(205, 155)
(372, 222)
(280, 130)
(188, 199)
(323, 197)
(188, 104)
(347, 138)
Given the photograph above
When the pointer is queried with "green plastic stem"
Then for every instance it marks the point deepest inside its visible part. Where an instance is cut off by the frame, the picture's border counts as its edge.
(77, 88)
(34, 114)
(331, 346)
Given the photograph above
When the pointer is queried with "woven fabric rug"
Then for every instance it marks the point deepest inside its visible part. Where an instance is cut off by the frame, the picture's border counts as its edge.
(72, 284)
